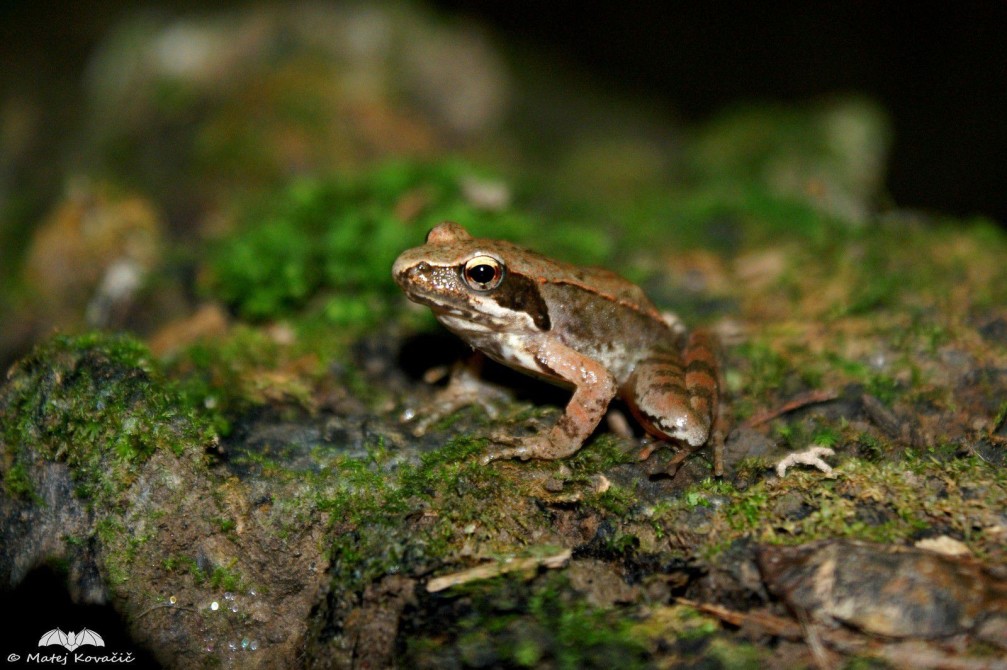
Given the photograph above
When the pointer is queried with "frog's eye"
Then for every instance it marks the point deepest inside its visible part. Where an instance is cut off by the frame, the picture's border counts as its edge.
(483, 273)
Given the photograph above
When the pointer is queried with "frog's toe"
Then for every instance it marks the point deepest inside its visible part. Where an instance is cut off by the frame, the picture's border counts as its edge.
(507, 447)
(648, 449)
(503, 453)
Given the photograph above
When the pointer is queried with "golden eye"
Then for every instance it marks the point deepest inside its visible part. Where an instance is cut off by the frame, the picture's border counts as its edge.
(483, 273)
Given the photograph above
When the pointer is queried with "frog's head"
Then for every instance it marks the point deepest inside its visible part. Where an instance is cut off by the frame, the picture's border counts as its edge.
(481, 282)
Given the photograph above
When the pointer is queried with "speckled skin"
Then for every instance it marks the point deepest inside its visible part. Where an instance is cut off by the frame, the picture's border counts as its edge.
(582, 327)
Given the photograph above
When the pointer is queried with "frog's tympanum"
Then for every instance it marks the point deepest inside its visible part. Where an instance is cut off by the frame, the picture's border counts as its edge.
(580, 327)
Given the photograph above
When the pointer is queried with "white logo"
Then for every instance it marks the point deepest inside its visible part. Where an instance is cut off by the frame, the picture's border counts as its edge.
(71, 640)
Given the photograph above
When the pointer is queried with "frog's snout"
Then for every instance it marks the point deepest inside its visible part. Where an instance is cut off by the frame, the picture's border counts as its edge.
(406, 272)
(398, 269)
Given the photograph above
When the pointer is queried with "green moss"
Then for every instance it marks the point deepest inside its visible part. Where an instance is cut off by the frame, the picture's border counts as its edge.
(737, 655)
(247, 367)
(746, 510)
(98, 403)
(506, 623)
(764, 374)
(871, 447)
(615, 500)
(886, 502)
(903, 266)
(601, 455)
(584, 636)
(119, 548)
(452, 469)
(268, 270)
(335, 239)
(18, 483)
(178, 563)
(1001, 416)
(225, 524)
(225, 578)
(449, 489)
(723, 218)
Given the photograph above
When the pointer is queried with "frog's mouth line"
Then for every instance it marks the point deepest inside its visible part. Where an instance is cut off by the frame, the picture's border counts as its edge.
(457, 318)
(440, 309)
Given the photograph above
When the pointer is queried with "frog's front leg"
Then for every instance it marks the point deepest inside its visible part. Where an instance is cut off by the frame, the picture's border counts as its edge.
(594, 388)
(675, 394)
(465, 388)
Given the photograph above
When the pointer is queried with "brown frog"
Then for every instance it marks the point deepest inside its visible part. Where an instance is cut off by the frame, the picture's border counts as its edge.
(581, 327)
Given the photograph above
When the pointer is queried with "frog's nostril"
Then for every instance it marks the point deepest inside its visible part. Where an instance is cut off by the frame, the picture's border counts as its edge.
(417, 272)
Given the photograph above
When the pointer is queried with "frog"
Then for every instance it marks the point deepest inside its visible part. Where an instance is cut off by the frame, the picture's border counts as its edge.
(584, 328)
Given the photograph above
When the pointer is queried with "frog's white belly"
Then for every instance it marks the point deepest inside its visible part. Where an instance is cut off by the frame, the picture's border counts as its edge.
(514, 351)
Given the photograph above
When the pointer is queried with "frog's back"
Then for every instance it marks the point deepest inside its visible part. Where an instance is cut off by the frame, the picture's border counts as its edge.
(610, 286)
(598, 282)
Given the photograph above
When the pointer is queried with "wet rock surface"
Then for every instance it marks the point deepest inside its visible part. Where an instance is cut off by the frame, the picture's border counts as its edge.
(195, 565)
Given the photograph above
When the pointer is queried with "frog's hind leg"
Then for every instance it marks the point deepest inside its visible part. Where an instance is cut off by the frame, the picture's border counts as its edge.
(675, 395)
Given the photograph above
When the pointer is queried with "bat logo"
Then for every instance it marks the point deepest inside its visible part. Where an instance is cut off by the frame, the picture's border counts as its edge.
(70, 640)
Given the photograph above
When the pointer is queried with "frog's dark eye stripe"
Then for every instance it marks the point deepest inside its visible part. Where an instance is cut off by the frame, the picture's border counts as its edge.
(523, 294)
(483, 273)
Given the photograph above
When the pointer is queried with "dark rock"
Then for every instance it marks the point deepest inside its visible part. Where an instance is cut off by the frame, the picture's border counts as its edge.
(884, 590)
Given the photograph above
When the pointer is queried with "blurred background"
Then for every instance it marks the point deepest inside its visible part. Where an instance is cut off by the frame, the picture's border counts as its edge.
(939, 72)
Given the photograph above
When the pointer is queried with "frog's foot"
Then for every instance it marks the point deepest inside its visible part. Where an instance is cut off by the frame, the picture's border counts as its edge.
(650, 445)
(464, 389)
(670, 467)
(715, 443)
(505, 447)
(594, 388)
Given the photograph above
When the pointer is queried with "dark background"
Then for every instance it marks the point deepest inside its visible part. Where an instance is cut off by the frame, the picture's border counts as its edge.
(940, 70)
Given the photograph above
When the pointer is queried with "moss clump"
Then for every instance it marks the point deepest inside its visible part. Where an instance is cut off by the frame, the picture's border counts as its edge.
(17, 481)
(243, 369)
(226, 578)
(100, 404)
(880, 502)
(448, 493)
(331, 242)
